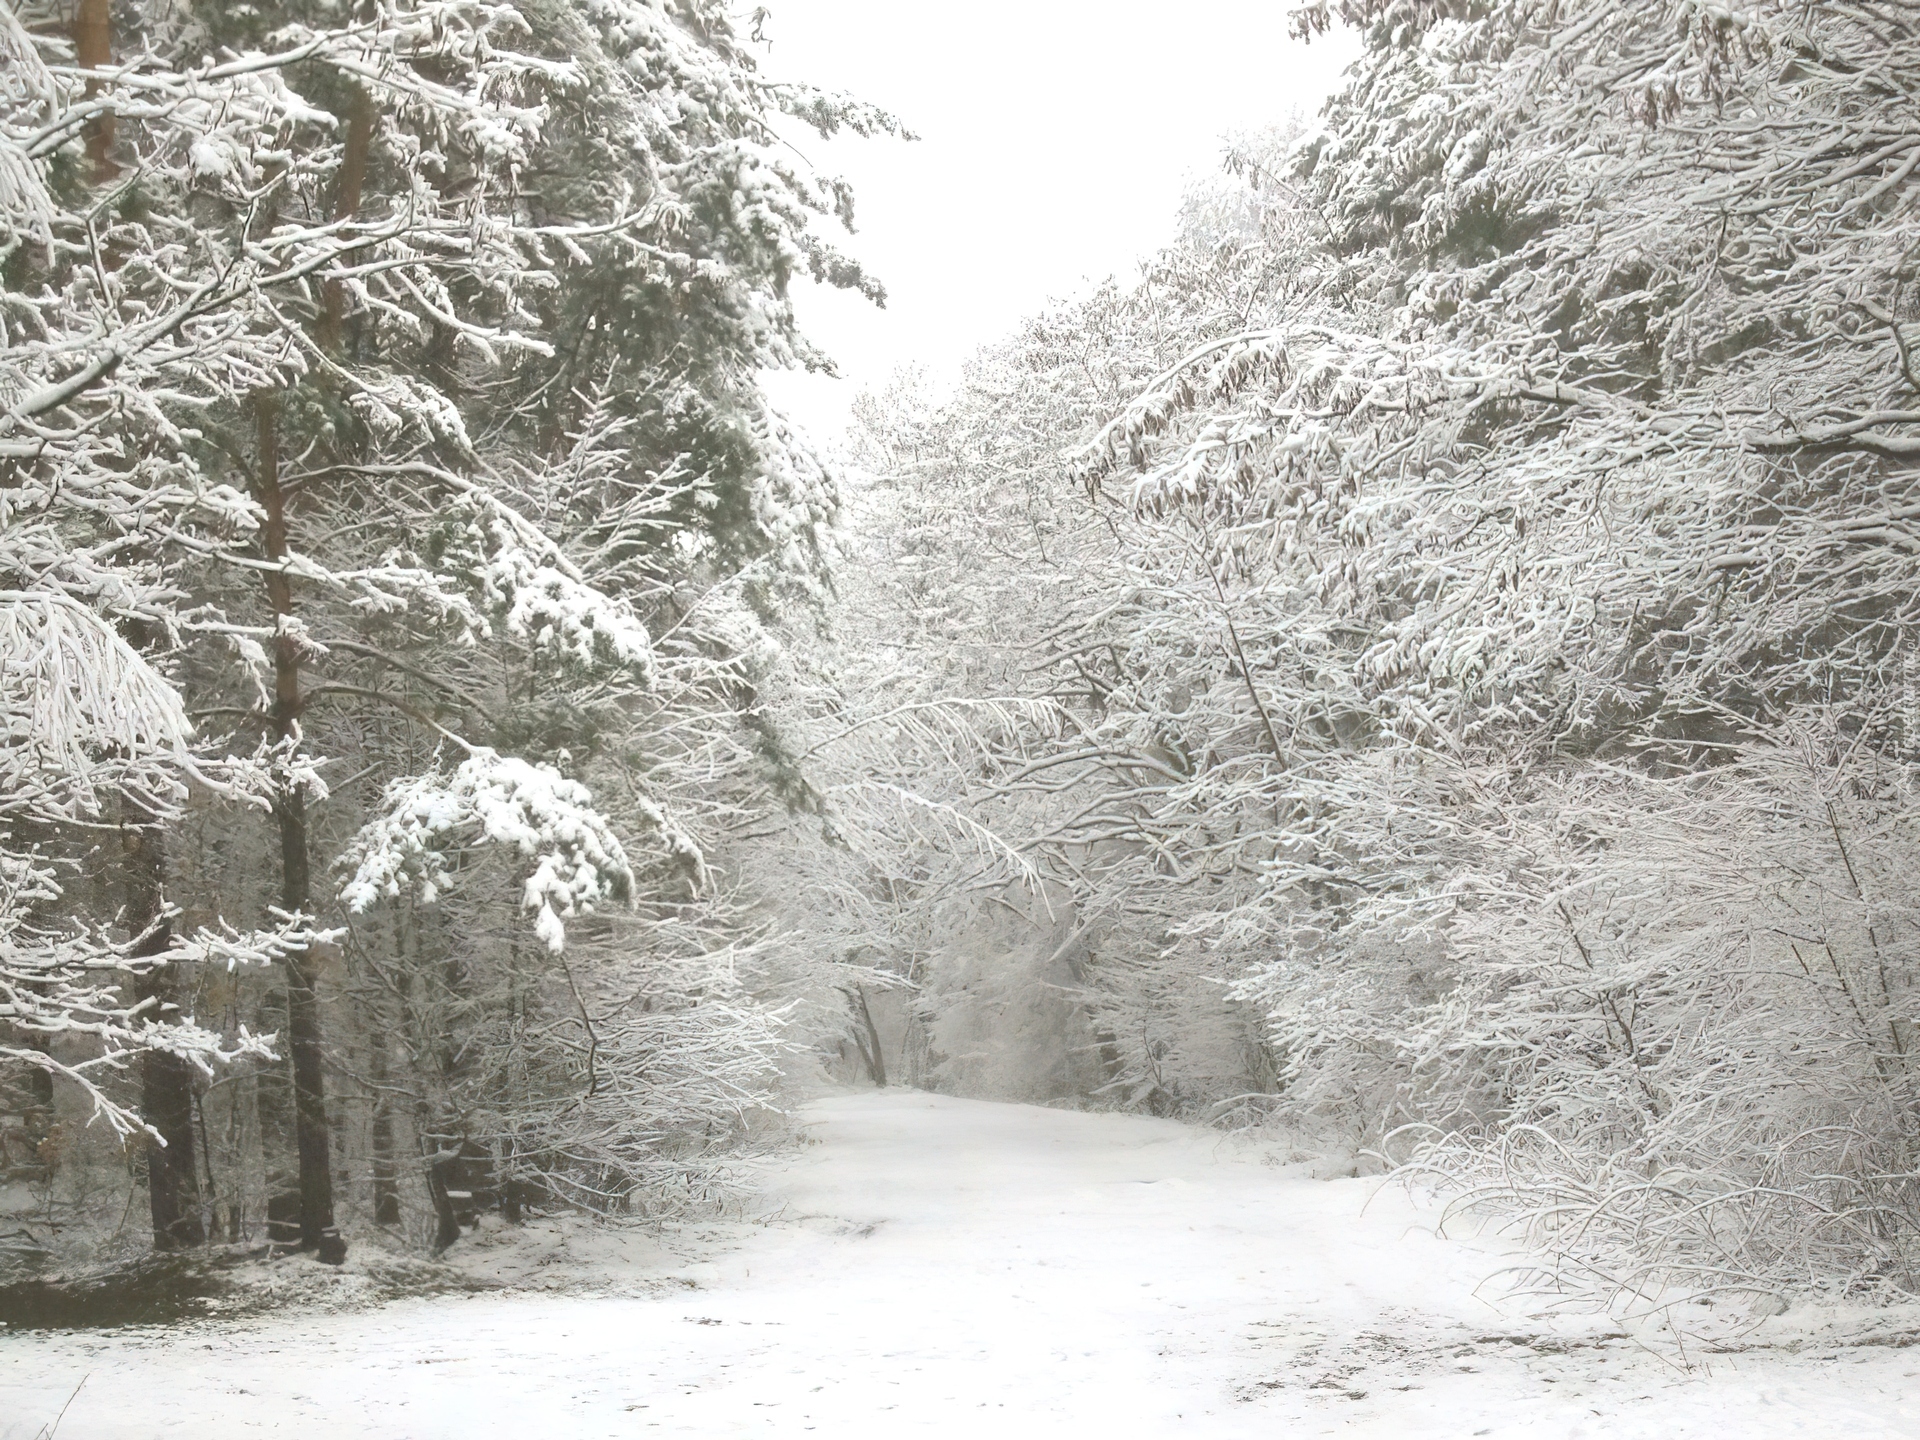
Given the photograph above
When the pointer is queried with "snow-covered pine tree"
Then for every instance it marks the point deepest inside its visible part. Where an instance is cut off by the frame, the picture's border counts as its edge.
(400, 365)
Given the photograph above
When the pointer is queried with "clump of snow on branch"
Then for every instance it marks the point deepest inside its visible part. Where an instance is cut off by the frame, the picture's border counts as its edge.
(536, 594)
(555, 611)
(577, 861)
(229, 948)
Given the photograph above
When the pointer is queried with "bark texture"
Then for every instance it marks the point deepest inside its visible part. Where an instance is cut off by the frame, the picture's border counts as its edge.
(317, 1230)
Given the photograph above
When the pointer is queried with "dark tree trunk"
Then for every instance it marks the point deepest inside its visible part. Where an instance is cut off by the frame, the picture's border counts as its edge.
(26, 1095)
(869, 1040)
(511, 1186)
(317, 1232)
(93, 48)
(210, 1207)
(386, 1175)
(310, 1128)
(166, 1081)
(273, 1105)
(353, 179)
(442, 1156)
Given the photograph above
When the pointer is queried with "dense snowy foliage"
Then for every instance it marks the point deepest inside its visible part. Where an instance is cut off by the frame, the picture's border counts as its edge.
(388, 519)
(1485, 648)
(1430, 664)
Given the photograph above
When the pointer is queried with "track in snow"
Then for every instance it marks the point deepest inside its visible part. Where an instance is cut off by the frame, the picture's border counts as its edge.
(956, 1268)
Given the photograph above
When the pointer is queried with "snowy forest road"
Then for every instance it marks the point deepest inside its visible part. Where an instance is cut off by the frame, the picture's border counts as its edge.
(957, 1268)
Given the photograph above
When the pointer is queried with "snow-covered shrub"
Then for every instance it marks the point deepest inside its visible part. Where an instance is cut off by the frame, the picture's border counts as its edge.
(1691, 996)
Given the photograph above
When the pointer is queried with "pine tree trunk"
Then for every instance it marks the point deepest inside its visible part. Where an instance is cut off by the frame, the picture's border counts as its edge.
(310, 1128)
(386, 1175)
(93, 48)
(317, 1232)
(273, 1110)
(353, 179)
(166, 1081)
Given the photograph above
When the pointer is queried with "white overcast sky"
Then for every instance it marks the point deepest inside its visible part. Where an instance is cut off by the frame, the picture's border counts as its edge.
(1056, 136)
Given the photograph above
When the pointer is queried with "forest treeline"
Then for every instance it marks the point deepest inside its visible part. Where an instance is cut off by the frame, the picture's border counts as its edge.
(1473, 575)
(390, 517)
(1429, 666)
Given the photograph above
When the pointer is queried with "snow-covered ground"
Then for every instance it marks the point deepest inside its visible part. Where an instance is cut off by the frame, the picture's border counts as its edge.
(956, 1268)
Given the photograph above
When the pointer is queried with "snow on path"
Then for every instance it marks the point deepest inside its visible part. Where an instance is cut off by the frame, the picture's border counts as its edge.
(956, 1268)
